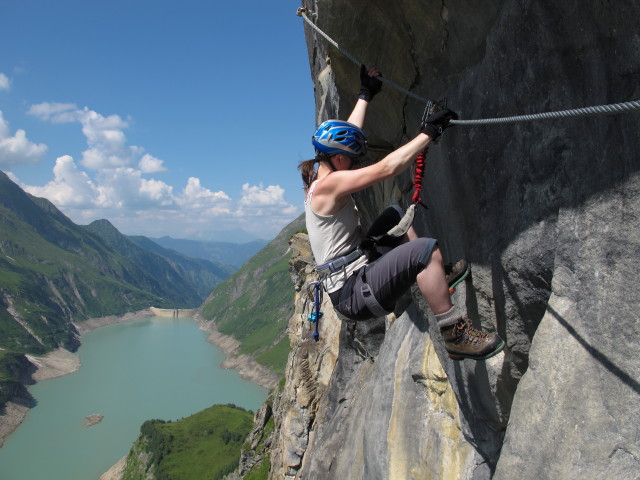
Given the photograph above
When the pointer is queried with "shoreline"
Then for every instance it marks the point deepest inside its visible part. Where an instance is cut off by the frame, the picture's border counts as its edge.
(93, 323)
(246, 367)
(55, 364)
(62, 362)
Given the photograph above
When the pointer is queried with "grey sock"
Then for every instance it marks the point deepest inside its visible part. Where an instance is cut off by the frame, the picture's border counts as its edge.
(448, 318)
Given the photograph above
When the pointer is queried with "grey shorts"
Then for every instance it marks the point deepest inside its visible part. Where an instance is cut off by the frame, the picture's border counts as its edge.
(389, 276)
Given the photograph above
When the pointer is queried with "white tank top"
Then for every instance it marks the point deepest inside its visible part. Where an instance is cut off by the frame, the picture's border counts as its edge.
(333, 236)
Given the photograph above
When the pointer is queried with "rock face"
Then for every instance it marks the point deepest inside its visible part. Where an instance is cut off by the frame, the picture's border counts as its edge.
(548, 214)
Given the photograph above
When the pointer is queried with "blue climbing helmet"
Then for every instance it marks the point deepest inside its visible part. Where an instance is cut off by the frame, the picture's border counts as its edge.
(336, 136)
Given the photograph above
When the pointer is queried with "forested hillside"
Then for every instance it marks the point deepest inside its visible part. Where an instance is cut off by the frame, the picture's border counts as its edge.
(205, 445)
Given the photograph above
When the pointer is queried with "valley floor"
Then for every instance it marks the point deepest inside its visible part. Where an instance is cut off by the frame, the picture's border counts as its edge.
(62, 362)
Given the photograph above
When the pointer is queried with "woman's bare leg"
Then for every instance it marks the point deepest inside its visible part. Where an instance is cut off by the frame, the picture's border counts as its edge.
(433, 284)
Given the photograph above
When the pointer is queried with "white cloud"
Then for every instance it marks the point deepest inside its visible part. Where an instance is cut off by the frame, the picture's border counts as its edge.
(196, 197)
(55, 112)
(109, 181)
(137, 206)
(258, 195)
(264, 209)
(17, 149)
(106, 140)
(70, 186)
(115, 189)
(4, 82)
(258, 200)
(13, 177)
(150, 164)
(105, 135)
(125, 188)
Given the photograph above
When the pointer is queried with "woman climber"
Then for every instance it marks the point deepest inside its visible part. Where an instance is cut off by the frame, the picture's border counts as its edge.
(366, 282)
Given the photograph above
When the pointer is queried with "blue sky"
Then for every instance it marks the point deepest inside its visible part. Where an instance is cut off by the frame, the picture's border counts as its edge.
(183, 118)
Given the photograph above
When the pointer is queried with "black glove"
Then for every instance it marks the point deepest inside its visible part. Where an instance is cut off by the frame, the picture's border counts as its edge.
(435, 123)
(369, 86)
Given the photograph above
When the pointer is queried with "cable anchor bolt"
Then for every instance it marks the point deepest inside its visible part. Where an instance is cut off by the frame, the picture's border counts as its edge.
(305, 11)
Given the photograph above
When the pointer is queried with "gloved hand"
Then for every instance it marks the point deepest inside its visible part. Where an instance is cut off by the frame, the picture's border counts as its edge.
(435, 123)
(369, 86)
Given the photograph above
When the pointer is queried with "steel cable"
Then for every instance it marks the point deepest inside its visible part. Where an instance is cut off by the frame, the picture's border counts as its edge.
(576, 112)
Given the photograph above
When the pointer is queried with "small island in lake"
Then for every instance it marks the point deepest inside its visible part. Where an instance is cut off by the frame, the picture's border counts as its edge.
(92, 419)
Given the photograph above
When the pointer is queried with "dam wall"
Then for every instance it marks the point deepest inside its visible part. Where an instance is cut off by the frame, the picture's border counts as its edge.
(173, 312)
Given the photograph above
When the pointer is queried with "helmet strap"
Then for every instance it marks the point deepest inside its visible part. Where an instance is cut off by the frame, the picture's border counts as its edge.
(325, 157)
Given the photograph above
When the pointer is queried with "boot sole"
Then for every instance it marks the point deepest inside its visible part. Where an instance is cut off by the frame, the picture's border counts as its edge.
(452, 287)
(496, 351)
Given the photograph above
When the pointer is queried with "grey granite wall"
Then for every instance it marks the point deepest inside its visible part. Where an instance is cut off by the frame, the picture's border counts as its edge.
(548, 214)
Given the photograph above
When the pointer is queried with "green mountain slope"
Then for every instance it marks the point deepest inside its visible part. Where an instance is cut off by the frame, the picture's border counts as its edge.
(193, 279)
(255, 303)
(204, 445)
(168, 280)
(54, 272)
(203, 274)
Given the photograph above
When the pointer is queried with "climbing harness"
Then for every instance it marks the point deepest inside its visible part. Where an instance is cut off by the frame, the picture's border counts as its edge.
(316, 314)
(337, 264)
(577, 112)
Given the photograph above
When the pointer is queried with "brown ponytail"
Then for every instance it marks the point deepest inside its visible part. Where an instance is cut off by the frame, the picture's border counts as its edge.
(308, 169)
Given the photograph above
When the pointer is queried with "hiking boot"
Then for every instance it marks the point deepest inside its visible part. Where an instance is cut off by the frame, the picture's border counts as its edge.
(456, 272)
(462, 340)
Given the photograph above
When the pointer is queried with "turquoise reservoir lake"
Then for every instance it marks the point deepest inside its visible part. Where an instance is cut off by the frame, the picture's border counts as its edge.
(131, 372)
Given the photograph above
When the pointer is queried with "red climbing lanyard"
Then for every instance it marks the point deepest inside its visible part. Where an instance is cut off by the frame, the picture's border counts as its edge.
(430, 108)
(417, 178)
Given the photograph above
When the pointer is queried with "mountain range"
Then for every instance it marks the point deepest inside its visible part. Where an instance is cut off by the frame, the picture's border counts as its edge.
(234, 254)
(55, 274)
